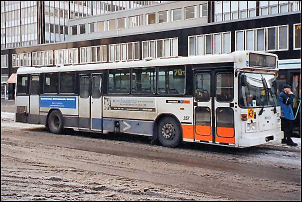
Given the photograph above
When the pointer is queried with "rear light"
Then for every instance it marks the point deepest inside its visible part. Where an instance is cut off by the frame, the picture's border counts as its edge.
(243, 117)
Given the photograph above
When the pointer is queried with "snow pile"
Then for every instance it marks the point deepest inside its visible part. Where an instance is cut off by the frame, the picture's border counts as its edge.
(7, 116)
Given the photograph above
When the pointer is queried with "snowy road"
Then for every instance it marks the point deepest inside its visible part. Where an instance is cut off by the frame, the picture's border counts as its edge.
(36, 164)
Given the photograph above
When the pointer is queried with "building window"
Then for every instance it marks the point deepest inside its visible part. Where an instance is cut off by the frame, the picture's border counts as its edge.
(100, 26)
(218, 11)
(297, 36)
(111, 24)
(190, 12)
(74, 30)
(176, 14)
(203, 12)
(272, 38)
(135, 21)
(192, 45)
(150, 18)
(283, 37)
(226, 42)
(121, 23)
(4, 61)
(239, 40)
(160, 48)
(260, 40)
(249, 39)
(200, 45)
(162, 16)
(217, 43)
(209, 44)
(91, 27)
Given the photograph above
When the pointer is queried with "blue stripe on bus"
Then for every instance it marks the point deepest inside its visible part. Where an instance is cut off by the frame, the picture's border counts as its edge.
(97, 124)
(291, 63)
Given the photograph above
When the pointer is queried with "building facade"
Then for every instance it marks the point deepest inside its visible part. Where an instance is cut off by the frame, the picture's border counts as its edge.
(82, 32)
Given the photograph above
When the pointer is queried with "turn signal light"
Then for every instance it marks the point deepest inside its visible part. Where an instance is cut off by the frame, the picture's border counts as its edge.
(243, 117)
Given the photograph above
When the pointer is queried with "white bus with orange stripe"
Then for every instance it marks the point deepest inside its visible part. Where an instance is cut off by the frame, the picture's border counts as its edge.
(226, 99)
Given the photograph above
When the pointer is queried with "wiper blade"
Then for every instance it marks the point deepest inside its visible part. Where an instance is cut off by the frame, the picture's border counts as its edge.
(261, 111)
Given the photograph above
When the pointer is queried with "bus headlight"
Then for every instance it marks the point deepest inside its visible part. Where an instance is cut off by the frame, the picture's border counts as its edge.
(251, 127)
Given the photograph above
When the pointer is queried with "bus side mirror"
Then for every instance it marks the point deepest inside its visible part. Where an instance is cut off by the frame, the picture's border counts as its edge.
(243, 80)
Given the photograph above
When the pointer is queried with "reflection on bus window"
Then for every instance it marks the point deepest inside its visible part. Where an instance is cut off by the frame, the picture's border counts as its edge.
(96, 89)
(51, 83)
(202, 87)
(119, 81)
(67, 82)
(22, 84)
(84, 86)
(171, 80)
(253, 90)
(34, 85)
(143, 80)
(224, 87)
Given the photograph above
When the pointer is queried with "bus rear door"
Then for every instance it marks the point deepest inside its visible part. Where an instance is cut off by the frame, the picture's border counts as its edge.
(90, 102)
(213, 113)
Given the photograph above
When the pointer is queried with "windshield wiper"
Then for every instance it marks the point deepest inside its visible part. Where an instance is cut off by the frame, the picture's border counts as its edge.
(268, 91)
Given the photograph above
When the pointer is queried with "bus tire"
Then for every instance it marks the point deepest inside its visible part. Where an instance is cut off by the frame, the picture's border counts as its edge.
(169, 132)
(55, 122)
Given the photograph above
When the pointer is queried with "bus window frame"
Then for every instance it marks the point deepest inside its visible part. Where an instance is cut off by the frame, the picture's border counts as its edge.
(169, 68)
(215, 86)
(58, 87)
(27, 85)
(75, 86)
(39, 85)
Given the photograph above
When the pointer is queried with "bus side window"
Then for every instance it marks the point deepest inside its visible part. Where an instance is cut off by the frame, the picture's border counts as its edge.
(96, 89)
(224, 87)
(202, 86)
(34, 85)
(172, 80)
(67, 82)
(143, 81)
(119, 81)
(22, 84)
(50, 83)
(84, 86)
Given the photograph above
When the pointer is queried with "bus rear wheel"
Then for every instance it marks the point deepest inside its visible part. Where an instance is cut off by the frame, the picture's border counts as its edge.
(55, 122)
(169, 133)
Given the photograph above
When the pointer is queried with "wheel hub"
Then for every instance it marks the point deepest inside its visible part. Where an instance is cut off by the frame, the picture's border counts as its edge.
(168, 131)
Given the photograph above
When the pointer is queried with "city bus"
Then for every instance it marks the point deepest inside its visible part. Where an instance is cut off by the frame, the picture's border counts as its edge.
(226, 99)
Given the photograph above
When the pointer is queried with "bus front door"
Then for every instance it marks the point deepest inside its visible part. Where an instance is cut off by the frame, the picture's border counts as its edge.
(90, 102)
(203, 107)
(96, 102)
(213, 112)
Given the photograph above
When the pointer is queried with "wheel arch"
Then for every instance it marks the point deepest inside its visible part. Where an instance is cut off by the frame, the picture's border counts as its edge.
(161, 116)
(49, 112)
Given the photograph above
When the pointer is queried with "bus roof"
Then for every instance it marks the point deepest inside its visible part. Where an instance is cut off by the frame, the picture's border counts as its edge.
(237, 56)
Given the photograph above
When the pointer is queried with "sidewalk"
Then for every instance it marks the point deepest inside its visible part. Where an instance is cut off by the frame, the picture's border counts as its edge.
(8, 106)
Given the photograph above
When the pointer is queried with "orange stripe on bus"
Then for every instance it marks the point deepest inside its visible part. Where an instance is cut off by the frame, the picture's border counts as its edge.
(225, 135)
(203, 130)
(186, 102)
(187, 131)
(203, 133)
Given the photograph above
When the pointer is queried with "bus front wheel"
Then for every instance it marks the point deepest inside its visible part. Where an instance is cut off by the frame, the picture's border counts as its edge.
(55, 122)
(169, 133)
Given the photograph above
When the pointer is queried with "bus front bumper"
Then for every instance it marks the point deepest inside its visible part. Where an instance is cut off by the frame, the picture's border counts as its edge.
(258, 138)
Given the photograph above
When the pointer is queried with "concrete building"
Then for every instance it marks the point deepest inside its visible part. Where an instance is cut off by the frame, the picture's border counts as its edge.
(47, 33)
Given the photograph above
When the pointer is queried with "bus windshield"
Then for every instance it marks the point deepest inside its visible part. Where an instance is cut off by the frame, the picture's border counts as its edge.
(257, 90)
